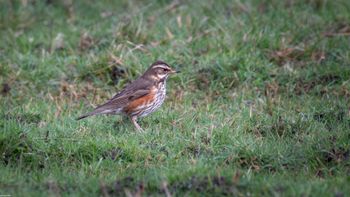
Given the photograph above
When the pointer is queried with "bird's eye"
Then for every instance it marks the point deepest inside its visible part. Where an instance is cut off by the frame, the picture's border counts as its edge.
(165, 70)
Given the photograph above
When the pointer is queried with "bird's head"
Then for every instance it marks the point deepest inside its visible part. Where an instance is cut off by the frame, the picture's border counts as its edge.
(159, 71)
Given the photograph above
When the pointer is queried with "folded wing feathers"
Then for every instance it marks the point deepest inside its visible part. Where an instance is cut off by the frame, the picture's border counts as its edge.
(115, 104)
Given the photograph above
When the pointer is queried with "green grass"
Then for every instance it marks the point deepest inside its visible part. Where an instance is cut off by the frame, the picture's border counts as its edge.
(261, 107)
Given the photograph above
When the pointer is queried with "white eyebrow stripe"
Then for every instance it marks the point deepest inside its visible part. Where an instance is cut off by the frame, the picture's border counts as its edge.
(161, 66)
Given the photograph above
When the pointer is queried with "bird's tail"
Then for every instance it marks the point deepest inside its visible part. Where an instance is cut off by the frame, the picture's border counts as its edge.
(84, 116)
(97, 111)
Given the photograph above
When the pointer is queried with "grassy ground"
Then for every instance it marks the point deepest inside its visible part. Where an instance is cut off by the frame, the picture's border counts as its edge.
(261, 107)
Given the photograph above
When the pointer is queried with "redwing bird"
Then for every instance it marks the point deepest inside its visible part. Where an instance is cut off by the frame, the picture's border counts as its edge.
(139, 98)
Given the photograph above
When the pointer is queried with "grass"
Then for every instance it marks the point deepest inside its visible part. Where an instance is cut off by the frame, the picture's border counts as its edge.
(261, 107)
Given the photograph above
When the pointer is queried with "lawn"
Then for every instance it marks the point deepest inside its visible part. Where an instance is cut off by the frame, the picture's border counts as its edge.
(261, 106)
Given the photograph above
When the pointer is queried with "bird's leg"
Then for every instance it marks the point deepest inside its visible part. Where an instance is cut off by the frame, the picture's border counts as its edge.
(134, 121)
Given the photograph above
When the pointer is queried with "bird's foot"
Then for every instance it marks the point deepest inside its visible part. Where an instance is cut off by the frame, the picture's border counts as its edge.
(134, 121)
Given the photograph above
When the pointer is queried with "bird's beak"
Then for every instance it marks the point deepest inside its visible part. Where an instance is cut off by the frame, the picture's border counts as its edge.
(174, 71)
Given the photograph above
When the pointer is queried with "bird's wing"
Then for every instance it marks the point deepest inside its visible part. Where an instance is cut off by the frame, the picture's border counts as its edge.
(138, 84)
(126, 98)
(116, 103)
(138, 88)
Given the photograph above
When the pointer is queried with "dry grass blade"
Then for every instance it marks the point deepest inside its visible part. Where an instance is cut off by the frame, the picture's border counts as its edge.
(165, 188)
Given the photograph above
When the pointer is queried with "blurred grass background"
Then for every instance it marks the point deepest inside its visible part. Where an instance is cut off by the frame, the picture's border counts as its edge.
(261, 107)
